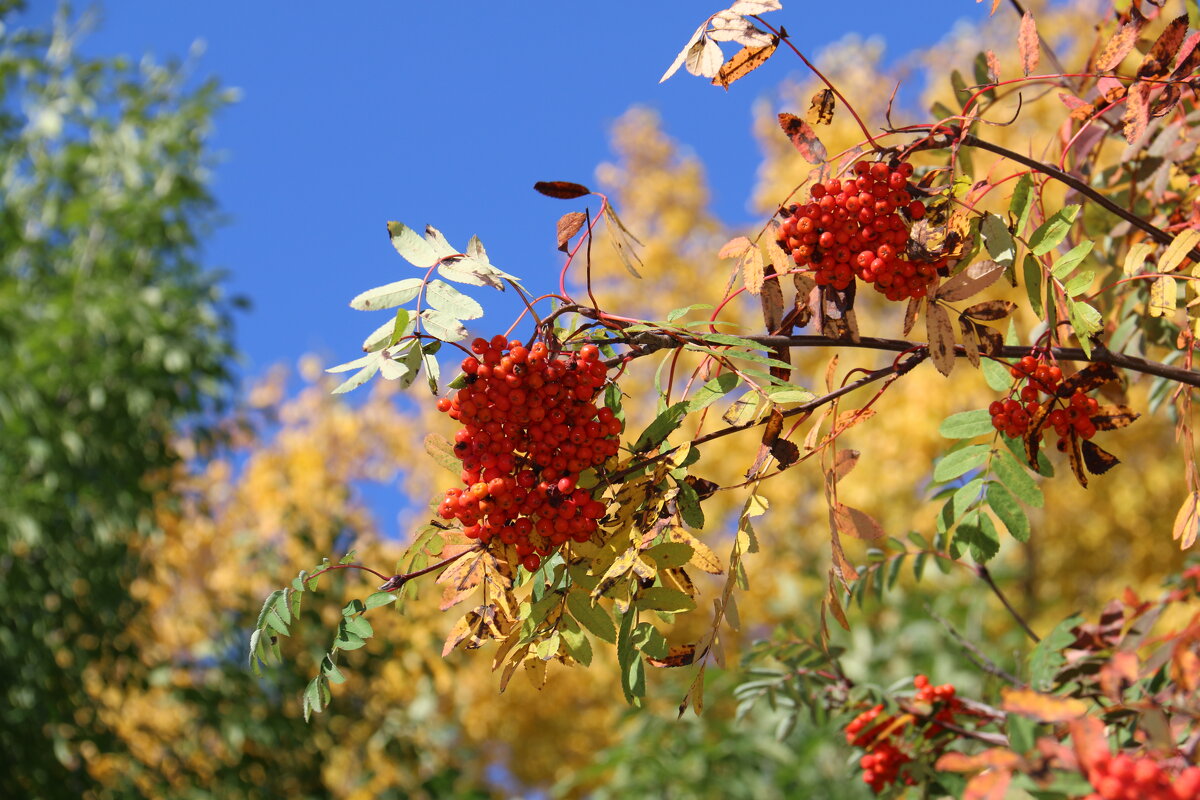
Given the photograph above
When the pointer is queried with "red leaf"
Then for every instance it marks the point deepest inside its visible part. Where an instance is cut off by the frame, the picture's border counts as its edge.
(569, 224)
(803, 137)
(1157, 62)
(562, 190)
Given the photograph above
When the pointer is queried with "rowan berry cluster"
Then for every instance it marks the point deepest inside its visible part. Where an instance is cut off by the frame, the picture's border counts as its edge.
(855, 227)
(530, 427)
(881, 735)
(1012, 417)
(1124, 777)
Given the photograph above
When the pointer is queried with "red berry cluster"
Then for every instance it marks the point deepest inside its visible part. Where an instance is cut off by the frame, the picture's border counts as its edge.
(1123, 777)
(530, 426)
(880, 734)
(1012, 417)
(854, 227)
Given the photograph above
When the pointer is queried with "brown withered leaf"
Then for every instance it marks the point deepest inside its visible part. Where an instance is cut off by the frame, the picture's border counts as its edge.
(743, 62)
(1096, 458)
(786, 452)
(1113, 93)
(834, 603)
(1119, 45)
(1157, 63)
(857, 523)
(970, 340)
(773, 427)
(991, 310)
(820, 111)
(941, 338)
(569, 224)
(991, 341)
(1110, 418)
(562, 190)
(1075, 458)
(970, 281)
(771, 295)
(911, 312)
(1091, 377)
(803, 138)
(1166, 101)
(1189, 57)
(1028, 43)
(1082, 111)
(1137, 112)
(681, 655)
(704, 488)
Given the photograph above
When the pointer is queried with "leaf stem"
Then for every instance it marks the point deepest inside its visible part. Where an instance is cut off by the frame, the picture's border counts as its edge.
(986, 576)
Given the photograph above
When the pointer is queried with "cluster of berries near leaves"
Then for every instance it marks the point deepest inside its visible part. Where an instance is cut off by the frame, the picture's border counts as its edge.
(881, 735)
(1012, 417)
(1124, 777)
(530, 427)
(854, 227)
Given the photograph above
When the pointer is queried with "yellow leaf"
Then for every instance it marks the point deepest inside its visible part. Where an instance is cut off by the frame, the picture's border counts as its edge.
(1043, 707)
(1178, 250)
(1136, 257)
(1162, 297)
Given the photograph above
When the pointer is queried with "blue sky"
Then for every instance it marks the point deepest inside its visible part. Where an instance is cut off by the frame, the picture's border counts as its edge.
(353, 114)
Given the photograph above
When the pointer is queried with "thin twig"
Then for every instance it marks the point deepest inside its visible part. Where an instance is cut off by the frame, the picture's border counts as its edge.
(986, 577)
(974, 654)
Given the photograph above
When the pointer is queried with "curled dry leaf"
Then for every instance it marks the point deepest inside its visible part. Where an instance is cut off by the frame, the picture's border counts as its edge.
(1157, 63)
(1028, 43)
(743, 62)
(820, 111)
(803, 138)
(569, 224)
(1097, 460)
(562, 190)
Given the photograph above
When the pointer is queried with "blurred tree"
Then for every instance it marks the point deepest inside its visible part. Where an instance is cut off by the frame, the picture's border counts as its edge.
(114, 338)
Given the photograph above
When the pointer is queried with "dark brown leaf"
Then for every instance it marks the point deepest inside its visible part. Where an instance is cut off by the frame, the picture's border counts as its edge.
(1157, 62)
(1119, 46)
(743, 62)
(678, 656)
(803, 138)
(773, 427)
(569, 224)
(771, 295)
(1110, 418)
(991, 310)
(562, 190)
(1093, 376)
(911, 312)
(991, 341)
(1097, 459)
(1189, 57)
(1033, 435)
(973, 279)
(704, 488)
(1028, 43)
(820, 112)
(1166, 101)
(786, 452)
(1075, 458)
(970, 340)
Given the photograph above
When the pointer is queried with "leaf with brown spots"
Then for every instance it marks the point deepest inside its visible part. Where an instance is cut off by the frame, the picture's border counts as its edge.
(1075, 457)
(1189, 57)
(569, 224)
(1119, 45)
(1033, 436)
(1137, 112)
(562, 190)
(743, 62)
(1157, 63)
(820, 111)
(1028, 43)
(970, 340)
(678, 656)
(911, 312)
(1110, 418)
(751, 265)
(1166, 101)
(941, 338)
(1091, 377)
(803, 138)
(771, 295)
(970, 281)
(991, 310)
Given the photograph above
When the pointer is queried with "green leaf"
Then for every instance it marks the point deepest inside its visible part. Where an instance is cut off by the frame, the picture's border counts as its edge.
(1047, 657)
(689, 506)
(388, 295)
(1033, 283)
(1080, 283)
(359, 378)
(627, 658)
(712, 391)
(1009, 511)
(660, 598)
(956, 507)
(790, 394)
(998, 378)
(390, 332)
(979, 532)
(1086, 321)
(592, 617)
(411, 245)
(1022, 202)
(316, 696)
(446, 298)
(330, 670)
(683, 312)
(1017, 478)
(661, 427)
(1053, 231)
(378, 599)
(670, 554)
(1022, 733)
(440, 450)
(959, 462)
(443, 325)
(1071, 259)
(360, 626)
(998, 240)
(967, 424)
(268, 604)
(357, 363)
